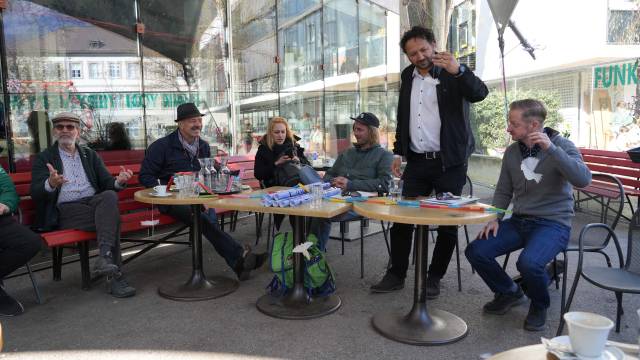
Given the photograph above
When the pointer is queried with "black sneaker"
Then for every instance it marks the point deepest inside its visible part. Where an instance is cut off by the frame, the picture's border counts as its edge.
(119, 287)
(249, 262)
(536, 319)
(501, 303)
(433, 288)
(388, 283)
(8, 305)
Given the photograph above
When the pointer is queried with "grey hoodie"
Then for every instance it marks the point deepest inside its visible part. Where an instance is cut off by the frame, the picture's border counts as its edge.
(561, 167)
(367, 170)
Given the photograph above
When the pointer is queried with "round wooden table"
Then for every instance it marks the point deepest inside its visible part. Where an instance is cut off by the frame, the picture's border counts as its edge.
(420, 326)
(295, 304)
(198, 287)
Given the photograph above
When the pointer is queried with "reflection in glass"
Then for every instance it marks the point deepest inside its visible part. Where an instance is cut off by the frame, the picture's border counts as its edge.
(340, 44)
(300, 51)
(372, 32)
(339, 107)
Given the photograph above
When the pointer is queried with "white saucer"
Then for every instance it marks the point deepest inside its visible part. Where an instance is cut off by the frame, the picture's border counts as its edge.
(609, 353)
(159, 195)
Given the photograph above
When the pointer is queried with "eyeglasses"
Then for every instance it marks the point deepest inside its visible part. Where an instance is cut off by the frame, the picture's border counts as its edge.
(61, 127)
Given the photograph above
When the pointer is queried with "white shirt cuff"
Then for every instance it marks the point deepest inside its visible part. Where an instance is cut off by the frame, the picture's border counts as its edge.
(48, 187)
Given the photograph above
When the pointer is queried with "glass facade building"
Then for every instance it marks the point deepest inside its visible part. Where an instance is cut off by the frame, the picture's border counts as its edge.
(313, 62)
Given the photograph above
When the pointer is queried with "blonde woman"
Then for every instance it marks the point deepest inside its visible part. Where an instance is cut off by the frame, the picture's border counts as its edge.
(278, 146)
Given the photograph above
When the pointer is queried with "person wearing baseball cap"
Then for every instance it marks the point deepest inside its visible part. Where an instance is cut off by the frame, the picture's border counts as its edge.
(366, 166)
(72, 189)
(179, 152)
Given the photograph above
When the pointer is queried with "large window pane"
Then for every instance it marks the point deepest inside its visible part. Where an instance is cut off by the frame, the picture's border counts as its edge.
(341, 45)
(303, 111)
(339, 107)
(300, 51)
(55, 63)
(185, 60)
(254, 47)
(253, 111)
(291, 10)
(372, 45)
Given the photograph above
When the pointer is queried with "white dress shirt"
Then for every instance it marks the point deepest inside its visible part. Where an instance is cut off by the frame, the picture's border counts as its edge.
(424, 116)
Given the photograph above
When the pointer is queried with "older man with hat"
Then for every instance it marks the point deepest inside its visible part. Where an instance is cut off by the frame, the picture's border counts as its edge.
(73, 189)
(364, 167)
(178, 152)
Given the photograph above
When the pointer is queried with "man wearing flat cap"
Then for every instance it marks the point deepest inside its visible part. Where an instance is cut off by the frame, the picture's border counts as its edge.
(73, 189)
(364, 167)
(178, 152)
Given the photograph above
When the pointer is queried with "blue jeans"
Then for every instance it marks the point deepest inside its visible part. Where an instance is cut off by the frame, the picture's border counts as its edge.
(321, 227)
(224, 244)
(540, 239)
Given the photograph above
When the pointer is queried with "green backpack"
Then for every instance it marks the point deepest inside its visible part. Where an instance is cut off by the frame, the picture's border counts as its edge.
(318, 276)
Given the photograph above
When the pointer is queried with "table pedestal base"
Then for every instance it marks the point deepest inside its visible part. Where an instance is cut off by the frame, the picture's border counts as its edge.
(419, 327)
(296, 307)
(199, 288)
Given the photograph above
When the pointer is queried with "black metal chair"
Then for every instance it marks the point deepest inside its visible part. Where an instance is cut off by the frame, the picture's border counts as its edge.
(625, 279)
(363, 222)
(34, 283)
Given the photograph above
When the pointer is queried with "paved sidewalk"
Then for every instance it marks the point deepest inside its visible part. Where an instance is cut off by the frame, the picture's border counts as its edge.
(149, 326)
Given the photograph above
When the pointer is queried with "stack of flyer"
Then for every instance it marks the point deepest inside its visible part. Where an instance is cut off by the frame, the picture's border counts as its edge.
(452, 201)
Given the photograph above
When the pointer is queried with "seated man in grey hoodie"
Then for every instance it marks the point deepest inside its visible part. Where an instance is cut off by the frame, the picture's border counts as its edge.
(364, 167)
(537, 175)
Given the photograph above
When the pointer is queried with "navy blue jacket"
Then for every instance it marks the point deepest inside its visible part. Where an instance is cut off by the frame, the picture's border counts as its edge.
(166, 156)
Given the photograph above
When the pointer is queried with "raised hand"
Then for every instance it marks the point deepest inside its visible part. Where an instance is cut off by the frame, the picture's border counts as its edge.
(124, 176)
(55, 179)
(395, 166)
(446, 61)
(541, 139)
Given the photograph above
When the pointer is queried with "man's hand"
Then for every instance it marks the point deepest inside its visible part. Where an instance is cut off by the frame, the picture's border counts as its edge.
(395, 166)
(491, 227)
(55, 180)
(539, 138)
(340, 182)
(446, 61)
(4, 209)
(124, 176)
(283, 159)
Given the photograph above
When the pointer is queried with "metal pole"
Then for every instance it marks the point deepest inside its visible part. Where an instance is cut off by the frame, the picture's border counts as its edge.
(5, 94)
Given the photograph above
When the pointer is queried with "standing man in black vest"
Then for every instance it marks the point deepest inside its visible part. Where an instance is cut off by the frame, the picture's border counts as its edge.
(434, 136)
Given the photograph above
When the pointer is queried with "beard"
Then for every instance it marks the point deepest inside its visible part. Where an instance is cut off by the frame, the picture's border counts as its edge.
(66, 140)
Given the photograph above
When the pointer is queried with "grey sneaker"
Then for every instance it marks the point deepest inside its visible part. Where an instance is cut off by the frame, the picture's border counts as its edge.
(118, 286)
(388, 283)
(104, 266)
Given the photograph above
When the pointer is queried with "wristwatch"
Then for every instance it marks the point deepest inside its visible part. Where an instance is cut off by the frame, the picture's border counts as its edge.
(461, 69)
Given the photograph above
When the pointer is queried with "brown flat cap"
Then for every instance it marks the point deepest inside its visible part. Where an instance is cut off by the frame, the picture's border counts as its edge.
(68, 116)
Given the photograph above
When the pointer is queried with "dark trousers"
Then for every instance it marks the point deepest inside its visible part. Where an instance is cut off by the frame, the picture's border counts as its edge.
(18, 244)
(224, 244)
(421, 177)
(97, 213)
(540, 240)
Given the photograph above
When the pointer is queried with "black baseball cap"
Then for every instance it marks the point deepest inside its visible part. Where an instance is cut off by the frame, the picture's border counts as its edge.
(367, 118)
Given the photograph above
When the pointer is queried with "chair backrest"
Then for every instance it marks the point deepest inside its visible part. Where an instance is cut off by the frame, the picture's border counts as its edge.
(633, 244)
(611, 198)
(467, 189)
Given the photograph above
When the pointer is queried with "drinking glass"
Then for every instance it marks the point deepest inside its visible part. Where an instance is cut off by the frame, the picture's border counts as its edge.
(317, 193)
(395, 189)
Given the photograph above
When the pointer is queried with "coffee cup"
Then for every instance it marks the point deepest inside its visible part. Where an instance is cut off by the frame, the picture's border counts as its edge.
(160, 189)
(588, 333)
